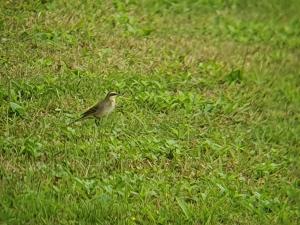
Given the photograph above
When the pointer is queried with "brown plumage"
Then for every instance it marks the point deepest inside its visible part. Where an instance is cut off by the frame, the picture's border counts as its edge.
(102, 108)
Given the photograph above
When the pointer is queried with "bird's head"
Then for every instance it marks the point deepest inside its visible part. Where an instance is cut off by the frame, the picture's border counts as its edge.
(112, 95)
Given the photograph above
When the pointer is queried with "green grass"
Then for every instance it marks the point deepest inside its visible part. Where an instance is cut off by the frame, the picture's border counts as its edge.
(206, 132)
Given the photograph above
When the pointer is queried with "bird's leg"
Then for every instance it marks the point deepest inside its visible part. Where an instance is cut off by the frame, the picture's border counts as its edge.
(97, 122)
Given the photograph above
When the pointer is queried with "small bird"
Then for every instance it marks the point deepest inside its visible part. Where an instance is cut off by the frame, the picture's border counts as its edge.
(102, 108)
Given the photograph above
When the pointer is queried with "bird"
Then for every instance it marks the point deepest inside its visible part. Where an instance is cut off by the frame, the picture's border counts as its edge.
(101, 109)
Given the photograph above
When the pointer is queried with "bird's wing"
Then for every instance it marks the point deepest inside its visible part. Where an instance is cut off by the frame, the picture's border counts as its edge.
(90, 111)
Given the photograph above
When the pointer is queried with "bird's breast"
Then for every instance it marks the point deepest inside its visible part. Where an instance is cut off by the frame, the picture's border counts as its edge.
(111, 106)
(113, 103)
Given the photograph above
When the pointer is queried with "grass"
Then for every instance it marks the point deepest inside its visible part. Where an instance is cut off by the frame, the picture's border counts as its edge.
(206, 132)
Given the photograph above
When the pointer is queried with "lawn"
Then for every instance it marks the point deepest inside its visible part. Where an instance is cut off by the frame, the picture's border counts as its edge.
(206, 130)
